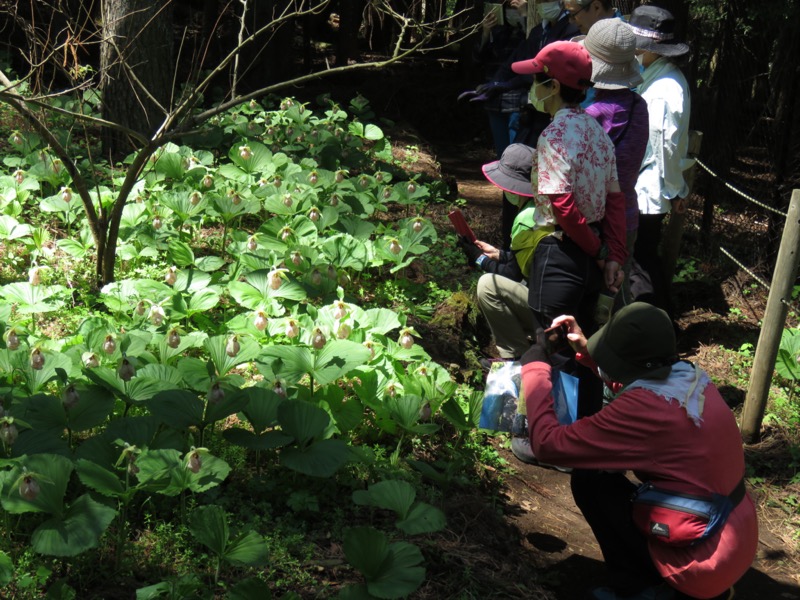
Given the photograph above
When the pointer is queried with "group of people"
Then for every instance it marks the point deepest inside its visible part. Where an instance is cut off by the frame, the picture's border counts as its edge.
(588, 192)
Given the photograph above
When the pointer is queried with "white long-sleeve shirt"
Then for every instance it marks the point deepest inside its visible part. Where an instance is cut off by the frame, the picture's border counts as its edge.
(661, 178)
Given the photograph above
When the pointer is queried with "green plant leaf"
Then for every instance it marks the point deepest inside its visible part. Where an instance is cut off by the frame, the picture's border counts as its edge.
(262, 407)
(42, 412)
(263, 441)
(32, 441)
(334, 360)
(302, 420)
(319, 459)
(177, 588)
(251, 588)
(216, 347)
(11, 229)
(394, 495)
(402, 576)
(6, 569)
(99, 479)
(180, 254)
(346, 252)
(34, 298)
(382, 320)
(209, 525)
(51, 471)
(367, 549)
(248, 549)
(422, 518)
(92, 409)
(180, 409)
(170, 164)
(231, 403)
(202, 301)
(78, 530)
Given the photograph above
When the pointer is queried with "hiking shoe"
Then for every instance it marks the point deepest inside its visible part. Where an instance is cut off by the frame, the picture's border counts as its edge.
(656, 592)
(521, 448)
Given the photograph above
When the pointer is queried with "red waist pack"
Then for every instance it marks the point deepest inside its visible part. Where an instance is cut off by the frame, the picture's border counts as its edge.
(682, 519)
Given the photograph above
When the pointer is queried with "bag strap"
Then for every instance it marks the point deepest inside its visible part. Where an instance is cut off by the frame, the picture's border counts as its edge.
(737, 495)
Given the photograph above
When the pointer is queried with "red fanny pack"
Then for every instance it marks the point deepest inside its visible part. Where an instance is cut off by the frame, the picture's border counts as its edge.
(682, 519)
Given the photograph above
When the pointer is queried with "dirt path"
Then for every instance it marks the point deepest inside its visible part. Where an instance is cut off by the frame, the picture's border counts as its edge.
(539, 503)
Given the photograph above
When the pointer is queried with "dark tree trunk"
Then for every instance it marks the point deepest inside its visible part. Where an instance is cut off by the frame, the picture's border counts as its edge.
(136, 68)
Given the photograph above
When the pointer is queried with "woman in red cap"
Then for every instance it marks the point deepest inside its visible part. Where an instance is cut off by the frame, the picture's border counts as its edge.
(574, 175)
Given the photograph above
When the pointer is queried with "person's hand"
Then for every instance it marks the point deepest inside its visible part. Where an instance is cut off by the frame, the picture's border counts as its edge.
(613, 275)
(488, 250)
(679, 205)
(471, 251)
(489, 21)
(520, 5)
(574, 332)
(468, 95)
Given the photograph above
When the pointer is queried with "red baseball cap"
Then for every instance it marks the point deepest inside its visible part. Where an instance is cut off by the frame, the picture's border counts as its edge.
(567, 62)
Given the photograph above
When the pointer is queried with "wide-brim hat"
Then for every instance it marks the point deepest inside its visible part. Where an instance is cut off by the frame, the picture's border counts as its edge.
(512, 173)
(567, 62)
(638, 342)
(654, 28)
(612, 45)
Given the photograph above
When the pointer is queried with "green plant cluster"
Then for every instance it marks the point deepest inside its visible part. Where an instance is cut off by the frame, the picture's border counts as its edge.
(235, 321)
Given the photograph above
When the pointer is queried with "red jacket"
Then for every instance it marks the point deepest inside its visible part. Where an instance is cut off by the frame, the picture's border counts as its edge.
(643, 432)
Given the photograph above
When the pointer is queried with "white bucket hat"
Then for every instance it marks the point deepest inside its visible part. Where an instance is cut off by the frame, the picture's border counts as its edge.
(612, 46)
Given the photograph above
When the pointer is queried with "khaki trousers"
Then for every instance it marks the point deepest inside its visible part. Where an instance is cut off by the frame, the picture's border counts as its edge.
(504, 303)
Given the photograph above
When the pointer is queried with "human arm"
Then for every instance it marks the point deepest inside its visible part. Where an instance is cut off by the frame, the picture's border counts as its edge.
(574, 224)
(621, 436)
(490, 259)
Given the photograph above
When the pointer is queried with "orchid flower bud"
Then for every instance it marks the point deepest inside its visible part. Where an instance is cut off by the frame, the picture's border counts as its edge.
(157, 315)
(126, 370)
(232, 347)
(29, 488)
(70, 397)
(260, 320)
(216, 393)
(173, 338)
(194, 462)
(292, 328)
(90, 360)
(318, 339)
(406, 340)
(8, 433)
(37, 359)
(12, 340)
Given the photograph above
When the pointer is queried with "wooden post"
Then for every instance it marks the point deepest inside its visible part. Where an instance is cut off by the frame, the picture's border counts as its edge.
(769, 339)
(673, 234)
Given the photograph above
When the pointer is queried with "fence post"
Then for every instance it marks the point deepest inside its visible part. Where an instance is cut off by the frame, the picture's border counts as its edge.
(769, 339)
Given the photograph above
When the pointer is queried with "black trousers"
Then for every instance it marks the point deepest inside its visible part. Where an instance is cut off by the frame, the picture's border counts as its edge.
(564, 280)
(646, 253)
(605, 500)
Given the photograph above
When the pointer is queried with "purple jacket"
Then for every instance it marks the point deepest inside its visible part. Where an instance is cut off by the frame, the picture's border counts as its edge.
(623, 115)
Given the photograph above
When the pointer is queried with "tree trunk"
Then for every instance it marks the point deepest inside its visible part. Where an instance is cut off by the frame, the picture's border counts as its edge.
(136, 67)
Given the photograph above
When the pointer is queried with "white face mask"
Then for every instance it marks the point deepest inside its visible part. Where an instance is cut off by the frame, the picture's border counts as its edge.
(549, 11)
(538, 103)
